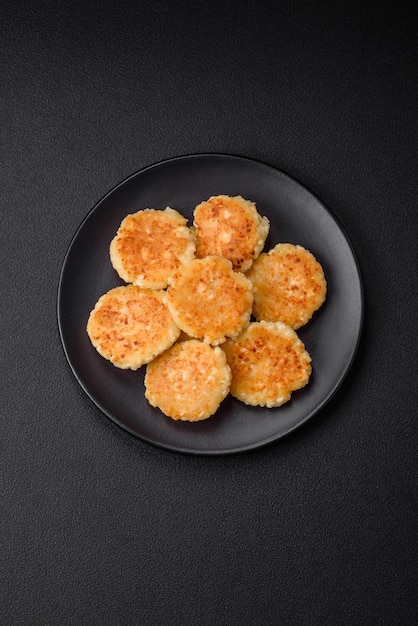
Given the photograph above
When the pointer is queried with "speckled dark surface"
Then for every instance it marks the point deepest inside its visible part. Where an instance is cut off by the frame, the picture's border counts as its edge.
(98, 527)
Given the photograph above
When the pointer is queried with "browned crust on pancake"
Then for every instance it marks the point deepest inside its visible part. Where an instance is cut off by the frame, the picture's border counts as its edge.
(189, 381)
(231, 227)
(289, 285)
(129, 326)
(209, 301)
(268, 362)
(150, 245)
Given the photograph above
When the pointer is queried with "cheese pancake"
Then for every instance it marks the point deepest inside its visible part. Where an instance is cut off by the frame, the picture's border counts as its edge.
(150, 245)
(189, 381)
(268, 362)
(129, 326)
(209, 301)
(231, 227)
(289, 285)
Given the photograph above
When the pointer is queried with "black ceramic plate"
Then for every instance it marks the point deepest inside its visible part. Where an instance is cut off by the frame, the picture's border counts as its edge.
(296, 216)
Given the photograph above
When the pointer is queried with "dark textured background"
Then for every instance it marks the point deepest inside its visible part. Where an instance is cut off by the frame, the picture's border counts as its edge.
(97, 527)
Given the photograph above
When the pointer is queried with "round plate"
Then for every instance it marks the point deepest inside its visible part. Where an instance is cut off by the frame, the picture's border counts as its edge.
(296, 216)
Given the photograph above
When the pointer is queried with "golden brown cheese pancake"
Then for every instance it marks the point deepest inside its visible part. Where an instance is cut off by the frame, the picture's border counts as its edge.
(268, 362)
(150, 245)
(209, 301)
(129, 326)
(289, 285)
(189, 381)
(231, 227)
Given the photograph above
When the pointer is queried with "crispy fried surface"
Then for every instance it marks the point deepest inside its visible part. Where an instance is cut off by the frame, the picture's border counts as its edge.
(208, 300)
(289, 285)
(149, 246)
(230, 227)
(189, 381)
(268, 362)
(129, 326)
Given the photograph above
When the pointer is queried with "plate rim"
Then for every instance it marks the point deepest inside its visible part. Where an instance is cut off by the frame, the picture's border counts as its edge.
(256, 445)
